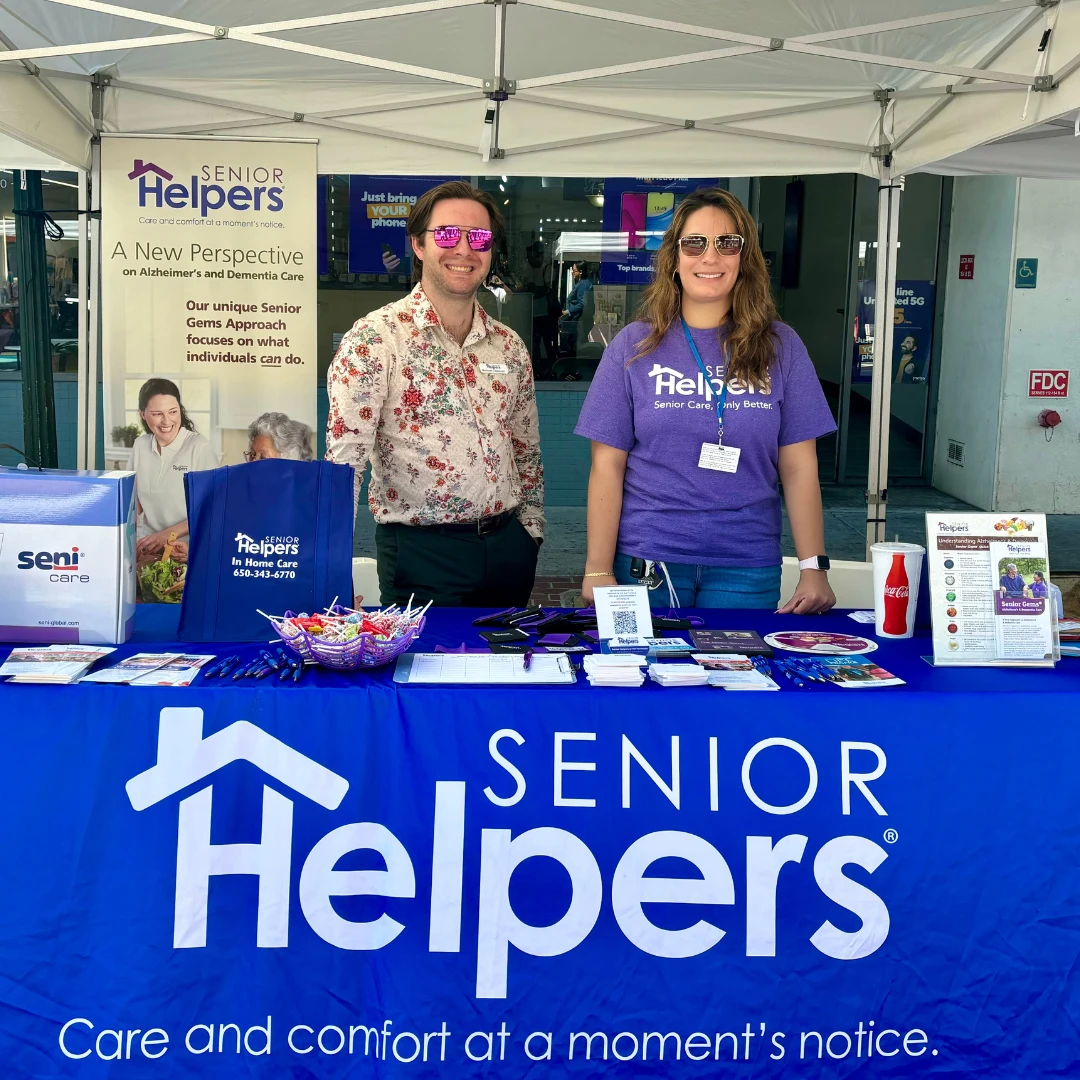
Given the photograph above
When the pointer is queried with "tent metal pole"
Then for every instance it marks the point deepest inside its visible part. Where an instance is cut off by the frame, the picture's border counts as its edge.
(888, 231)
(94, 305)
(282, 116)
(606, 15)
(361, 16)
(83, 395)
(98, 46)
(1014, 35)
(138, 15)
(917, 21)
(934, 67)
(641, 65)
(42, 78)
(683, 122)
(499, 88)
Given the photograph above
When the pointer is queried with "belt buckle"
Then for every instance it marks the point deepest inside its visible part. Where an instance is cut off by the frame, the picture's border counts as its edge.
(485, 525)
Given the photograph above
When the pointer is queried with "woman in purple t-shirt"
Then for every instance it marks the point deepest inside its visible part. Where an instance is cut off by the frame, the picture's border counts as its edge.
(669, 484)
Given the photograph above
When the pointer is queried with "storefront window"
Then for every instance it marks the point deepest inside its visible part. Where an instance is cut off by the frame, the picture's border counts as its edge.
(60, 195)
(571, 275)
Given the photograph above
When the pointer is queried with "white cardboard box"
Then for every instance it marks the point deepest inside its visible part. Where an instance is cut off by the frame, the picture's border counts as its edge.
(67, 556)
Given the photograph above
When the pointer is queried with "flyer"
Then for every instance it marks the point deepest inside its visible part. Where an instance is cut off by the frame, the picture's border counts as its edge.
(622, 610)
(989, 580)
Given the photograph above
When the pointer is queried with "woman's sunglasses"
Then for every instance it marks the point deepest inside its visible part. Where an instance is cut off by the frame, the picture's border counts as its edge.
(696, 245)
(448, 236)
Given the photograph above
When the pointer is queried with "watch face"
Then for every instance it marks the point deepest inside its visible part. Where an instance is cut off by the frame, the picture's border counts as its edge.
(823, 562)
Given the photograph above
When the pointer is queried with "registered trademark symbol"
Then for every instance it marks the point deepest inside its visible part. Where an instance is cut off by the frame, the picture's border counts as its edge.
(891, 836)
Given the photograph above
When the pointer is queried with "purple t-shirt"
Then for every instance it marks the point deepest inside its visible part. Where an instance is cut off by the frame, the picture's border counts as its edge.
(656, 409)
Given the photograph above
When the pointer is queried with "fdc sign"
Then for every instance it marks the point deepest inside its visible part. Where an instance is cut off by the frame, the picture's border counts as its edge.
(1048, 384)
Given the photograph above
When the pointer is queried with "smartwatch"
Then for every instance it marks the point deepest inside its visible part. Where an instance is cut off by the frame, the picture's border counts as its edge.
(815, 562)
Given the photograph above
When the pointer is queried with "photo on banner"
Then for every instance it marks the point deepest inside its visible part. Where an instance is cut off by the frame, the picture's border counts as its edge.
(913, 332)
(208, 279)
(643, 209)
(379, 208)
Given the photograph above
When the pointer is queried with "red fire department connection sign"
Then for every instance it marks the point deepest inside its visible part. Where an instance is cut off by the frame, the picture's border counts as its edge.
(1048, 384)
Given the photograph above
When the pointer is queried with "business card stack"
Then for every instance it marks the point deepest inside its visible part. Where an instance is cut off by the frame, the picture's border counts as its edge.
(59, 664)
(678, 674)
(615, 670)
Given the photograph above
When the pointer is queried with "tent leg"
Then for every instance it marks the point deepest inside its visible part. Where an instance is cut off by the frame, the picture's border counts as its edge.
(83, 452)
(877, 487)
(93, 308)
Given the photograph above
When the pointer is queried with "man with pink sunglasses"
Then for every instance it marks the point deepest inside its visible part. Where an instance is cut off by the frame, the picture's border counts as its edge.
(439, 398)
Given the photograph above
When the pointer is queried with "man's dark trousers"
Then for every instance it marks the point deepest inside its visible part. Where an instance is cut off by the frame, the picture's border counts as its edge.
(457, 565)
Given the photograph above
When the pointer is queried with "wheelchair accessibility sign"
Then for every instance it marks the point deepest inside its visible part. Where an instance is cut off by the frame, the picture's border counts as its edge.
(1027, 273)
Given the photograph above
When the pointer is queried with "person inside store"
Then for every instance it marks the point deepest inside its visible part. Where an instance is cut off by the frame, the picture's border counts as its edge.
(439, 398)
(169, 448)
(274, 435)
(9, 326)
(697, 411)
(1012, 582)
(577, 318)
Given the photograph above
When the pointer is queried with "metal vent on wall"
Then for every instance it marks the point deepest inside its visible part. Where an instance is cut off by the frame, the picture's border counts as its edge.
(956, 452)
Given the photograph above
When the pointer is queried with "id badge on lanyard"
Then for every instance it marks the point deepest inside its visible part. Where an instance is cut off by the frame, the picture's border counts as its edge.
(715, 456)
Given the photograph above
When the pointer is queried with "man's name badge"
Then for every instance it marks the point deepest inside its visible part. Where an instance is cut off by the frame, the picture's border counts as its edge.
(495, 369)
(719, 458)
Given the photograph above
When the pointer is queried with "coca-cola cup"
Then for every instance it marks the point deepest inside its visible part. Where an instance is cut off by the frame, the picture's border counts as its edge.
(897, 570)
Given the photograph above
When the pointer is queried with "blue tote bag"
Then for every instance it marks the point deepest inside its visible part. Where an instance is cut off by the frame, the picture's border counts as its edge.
(273, 535)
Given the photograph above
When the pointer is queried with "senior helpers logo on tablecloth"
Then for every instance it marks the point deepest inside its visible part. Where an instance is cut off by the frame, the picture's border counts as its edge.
(451, 890)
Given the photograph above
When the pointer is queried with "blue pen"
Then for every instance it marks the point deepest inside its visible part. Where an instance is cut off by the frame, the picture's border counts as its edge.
(298, 671)
(285, 672)
(807, 668)
(783, 666)
(270, 660)
(244, 668)
(219, 669)
(262, 671)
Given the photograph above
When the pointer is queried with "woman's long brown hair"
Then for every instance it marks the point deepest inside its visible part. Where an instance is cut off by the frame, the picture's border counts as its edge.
(750, 343)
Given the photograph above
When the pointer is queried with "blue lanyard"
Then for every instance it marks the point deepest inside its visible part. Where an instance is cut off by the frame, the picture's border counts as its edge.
(719, 400)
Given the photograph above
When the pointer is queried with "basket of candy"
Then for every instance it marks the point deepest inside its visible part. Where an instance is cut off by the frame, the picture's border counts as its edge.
(346, 639)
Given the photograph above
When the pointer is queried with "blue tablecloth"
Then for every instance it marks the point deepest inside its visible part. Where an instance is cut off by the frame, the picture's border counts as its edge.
(350, 877)
(155, 629)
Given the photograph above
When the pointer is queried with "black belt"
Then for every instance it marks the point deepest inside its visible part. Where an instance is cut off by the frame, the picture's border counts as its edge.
(476, 528)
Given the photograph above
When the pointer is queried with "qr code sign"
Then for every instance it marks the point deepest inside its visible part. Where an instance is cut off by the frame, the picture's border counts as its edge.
(625, 622)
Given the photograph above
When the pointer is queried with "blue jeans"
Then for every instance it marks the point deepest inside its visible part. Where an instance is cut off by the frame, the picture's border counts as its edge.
(710, 586)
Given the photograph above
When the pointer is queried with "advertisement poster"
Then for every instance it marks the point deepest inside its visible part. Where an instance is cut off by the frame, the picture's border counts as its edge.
(913, 322)
(990, 589)
(378, 209)
(208, 288)
(643, 209)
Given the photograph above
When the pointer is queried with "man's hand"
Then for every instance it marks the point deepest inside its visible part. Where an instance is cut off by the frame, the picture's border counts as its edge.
(813, 595)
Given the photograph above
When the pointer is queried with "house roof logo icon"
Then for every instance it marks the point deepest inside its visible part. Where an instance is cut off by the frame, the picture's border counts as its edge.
(141, 168)
(184, 757)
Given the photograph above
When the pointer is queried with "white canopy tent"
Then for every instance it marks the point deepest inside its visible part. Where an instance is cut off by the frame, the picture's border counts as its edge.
(547, 87)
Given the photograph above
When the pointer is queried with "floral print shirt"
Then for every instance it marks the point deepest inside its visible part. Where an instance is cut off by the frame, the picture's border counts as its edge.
(451, 430)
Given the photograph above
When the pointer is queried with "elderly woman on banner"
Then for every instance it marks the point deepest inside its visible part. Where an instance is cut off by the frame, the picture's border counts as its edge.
(274, 435)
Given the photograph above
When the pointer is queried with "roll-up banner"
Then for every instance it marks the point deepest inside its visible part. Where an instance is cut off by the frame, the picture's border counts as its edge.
(208, 281)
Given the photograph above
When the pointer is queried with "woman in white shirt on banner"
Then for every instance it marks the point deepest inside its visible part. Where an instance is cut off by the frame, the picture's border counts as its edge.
(169, 448)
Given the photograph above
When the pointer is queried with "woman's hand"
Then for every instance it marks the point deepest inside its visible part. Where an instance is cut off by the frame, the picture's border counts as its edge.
(813, 595)
(590, 583)
(154, 544)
